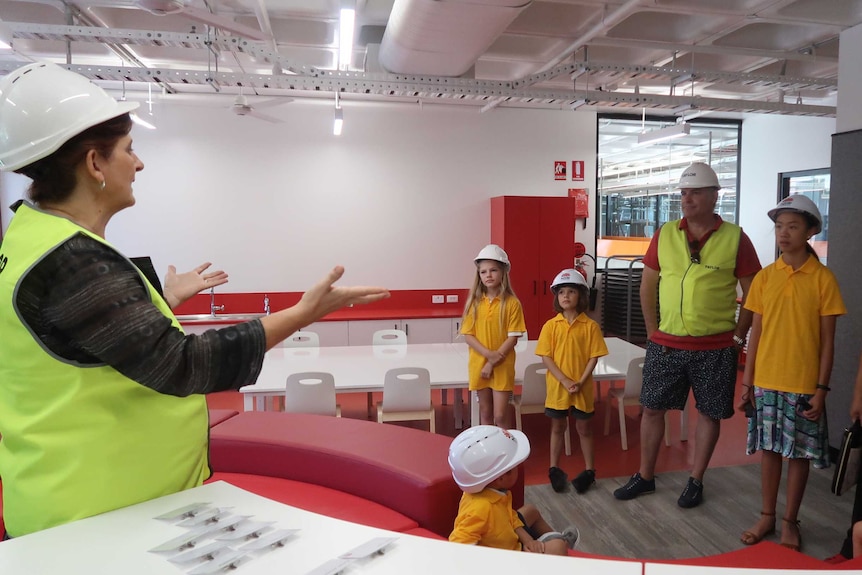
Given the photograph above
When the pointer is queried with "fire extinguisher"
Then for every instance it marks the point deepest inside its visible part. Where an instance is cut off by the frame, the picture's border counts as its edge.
(581, 267)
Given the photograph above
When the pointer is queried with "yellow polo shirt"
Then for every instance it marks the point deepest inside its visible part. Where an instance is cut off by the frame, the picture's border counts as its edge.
(492, 328)
(570, 346)
(791, 304)
(488, 519)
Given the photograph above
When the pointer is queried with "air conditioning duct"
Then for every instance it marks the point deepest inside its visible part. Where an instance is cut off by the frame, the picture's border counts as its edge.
(443, 37)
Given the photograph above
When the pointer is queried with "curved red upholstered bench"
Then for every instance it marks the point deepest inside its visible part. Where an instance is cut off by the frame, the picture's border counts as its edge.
(400, 468)
(323, 500)
(217, 416)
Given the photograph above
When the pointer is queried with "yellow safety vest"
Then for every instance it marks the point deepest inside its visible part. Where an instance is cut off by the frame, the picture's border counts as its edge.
(697, 299)
(78, 440)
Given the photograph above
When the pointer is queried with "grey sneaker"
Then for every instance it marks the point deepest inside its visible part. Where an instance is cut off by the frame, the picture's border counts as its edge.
(559, 479)
(637, 485)
(572, 536)
(692, 495)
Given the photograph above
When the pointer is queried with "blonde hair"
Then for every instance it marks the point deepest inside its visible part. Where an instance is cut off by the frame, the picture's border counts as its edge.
(479, 290)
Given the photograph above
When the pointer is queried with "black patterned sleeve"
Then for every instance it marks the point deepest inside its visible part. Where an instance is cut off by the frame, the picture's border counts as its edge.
(88, 305)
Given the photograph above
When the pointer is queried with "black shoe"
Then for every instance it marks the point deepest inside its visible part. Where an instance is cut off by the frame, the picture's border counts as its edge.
(584, 480)
(559, 479)
(692, 495)
(637, 485)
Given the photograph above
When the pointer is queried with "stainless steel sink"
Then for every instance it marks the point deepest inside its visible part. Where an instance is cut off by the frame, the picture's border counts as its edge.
(220, 317)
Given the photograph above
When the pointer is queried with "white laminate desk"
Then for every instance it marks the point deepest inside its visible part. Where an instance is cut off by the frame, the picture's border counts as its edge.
(362, 368)
(118, 542)
(358, 368)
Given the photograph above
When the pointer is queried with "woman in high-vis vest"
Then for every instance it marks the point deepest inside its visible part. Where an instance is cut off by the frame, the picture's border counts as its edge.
(101, 401)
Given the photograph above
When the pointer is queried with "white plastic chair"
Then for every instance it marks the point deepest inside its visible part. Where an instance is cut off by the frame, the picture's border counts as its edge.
(302, 339)
(407, 396)
(532, 398)
(522, 343)
(311, 392)
(630, 395)
(389, 337)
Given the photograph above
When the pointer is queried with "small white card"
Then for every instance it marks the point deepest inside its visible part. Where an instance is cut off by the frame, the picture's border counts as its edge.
(209, 551)
(183, 512)
(245, 530)
(331, 567)
(275, 539)
(212, 515)
(186, 540)
(371, 547)
(221, 564)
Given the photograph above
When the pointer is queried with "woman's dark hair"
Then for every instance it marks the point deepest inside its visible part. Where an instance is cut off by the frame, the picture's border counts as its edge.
(54, 177)
(583, 298)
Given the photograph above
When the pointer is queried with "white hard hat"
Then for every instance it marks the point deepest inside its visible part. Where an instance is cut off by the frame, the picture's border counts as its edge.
(494, 252)
(482, 453)
(568, 277)
(800, 204)
(43, 106)
(698, 175)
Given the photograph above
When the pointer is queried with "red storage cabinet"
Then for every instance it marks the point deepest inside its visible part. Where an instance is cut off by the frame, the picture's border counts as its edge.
(538, 234)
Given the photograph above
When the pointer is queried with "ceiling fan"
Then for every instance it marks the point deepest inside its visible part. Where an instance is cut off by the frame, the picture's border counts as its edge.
(171, 7)
(241, 107)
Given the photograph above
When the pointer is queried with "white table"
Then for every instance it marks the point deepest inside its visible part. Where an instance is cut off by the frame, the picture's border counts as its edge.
(362, 368)
(118, 542)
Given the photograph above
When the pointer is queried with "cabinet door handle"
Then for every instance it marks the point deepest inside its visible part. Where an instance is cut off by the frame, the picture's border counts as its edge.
(406, 329)
(544, 287)
(534, 287)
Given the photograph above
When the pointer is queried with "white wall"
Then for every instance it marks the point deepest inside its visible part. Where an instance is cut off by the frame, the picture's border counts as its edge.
(772, 144)
(401, 199)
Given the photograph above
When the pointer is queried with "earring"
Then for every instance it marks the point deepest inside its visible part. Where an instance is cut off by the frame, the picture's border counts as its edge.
(102, 185)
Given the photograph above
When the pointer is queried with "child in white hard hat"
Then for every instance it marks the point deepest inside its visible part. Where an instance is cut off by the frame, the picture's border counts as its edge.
(795, 302)
(493, 321)
(570, 345)
(484, 460)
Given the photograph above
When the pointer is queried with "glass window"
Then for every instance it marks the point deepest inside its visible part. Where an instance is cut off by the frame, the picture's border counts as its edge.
(815, 185)
(637, 181)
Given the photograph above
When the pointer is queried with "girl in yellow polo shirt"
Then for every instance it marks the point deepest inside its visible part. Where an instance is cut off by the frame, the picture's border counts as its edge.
(796, 303)
(493, 322)
(570, 345)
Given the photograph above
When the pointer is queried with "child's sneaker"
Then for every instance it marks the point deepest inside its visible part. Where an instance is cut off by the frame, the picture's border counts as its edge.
(559, 479)
(584, 480)
(572, 536)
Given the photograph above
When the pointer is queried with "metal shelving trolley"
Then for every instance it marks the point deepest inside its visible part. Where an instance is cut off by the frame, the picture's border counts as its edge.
(621, 310)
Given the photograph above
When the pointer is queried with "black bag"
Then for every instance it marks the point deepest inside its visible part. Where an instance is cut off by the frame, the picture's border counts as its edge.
(849, 459)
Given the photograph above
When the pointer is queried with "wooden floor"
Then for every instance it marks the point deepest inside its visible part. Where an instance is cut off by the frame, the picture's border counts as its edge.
(655, 527)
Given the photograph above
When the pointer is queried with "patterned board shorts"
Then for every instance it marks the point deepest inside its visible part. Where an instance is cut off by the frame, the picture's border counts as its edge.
(778, 428)
(670, 373)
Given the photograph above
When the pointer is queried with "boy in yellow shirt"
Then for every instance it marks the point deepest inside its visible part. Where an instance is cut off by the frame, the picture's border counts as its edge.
(484, 461)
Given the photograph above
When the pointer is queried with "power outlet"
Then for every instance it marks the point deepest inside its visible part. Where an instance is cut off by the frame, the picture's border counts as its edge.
(436, 299)
(452, 298)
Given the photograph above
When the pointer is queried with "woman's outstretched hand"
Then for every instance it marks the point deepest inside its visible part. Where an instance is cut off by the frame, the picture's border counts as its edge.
(180, 287)
(324, 297)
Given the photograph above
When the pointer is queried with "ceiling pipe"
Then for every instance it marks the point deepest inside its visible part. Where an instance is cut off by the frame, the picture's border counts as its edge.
(602, 27)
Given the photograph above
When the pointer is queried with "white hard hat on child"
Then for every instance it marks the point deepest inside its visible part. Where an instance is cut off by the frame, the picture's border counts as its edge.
(481, 454)
(800, 204)
(43, 106)
(698, 175)
(568, 277)
(493, 252)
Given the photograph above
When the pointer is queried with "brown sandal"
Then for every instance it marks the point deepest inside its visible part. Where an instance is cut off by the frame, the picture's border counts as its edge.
(795, 523)
(752, 538)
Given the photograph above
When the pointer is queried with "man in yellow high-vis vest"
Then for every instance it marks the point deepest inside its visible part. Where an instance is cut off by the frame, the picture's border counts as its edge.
(692, 269)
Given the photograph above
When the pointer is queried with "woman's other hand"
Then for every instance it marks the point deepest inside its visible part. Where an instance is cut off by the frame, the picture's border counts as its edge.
(180, 287)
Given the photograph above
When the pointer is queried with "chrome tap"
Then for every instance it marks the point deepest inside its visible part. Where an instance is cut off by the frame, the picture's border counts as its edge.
(266, 304)
(213, 307)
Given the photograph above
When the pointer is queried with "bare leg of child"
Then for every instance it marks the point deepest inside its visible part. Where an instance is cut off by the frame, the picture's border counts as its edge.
(558, 439)
(539, 526)
(501, 409)
(770, 478)
(584, 427)
(797, 479)
(486, 406)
